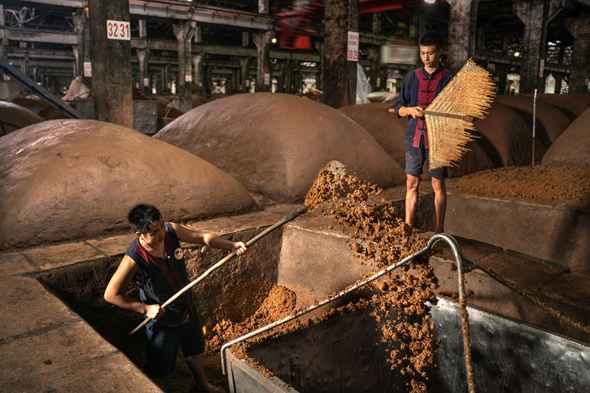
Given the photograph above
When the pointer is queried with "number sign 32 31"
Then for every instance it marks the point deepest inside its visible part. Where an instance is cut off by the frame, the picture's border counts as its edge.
(117, 30)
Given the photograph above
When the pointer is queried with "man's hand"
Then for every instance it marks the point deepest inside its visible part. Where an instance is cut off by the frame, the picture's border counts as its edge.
(413, 111)
(154, 311)
(240, 247)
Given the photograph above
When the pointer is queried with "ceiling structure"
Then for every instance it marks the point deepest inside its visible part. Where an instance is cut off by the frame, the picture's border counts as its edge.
(499, 30)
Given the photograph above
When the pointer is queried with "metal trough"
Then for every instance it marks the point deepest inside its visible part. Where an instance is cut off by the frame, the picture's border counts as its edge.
(345, 355)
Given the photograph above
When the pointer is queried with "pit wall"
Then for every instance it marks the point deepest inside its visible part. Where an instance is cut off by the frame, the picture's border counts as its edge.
(557, 233)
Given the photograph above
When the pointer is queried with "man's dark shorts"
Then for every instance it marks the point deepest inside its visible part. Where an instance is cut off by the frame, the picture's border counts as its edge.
(163, 345)
(415, 157)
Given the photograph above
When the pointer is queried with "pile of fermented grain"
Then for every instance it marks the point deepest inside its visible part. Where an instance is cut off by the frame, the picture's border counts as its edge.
(543, 182)
(378, 238)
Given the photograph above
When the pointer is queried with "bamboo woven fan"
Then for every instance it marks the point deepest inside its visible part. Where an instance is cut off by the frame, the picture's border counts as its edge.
(450, 116)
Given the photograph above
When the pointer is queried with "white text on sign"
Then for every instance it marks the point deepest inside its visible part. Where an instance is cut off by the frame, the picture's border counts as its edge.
(353, 46)
(117, 30)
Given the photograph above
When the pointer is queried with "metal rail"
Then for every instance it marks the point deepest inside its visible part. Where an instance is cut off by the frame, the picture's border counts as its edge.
(39, 90)
(431, 243)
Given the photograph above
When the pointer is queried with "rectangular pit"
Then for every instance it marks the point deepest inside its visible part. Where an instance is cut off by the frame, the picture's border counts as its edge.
(345, 355)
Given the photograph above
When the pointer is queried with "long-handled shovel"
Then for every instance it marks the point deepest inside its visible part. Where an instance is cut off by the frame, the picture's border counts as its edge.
(334, 166)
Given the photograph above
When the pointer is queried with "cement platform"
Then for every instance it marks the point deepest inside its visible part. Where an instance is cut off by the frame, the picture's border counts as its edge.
(45, 346)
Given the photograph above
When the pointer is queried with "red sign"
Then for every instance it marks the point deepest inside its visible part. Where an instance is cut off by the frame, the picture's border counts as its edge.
(353, 46)
(117, 30)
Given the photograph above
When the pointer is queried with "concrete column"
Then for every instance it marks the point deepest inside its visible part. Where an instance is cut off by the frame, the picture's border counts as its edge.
(376, 25)
(298, 82)
(143, 56)
(290, 76)
(262, 42)
(198, 61)
(245, 66)
(502, 70)
(336, 70)
(558, 78)
(36, 74)
(198, 35)
(111, 63)
(142, 28)
(24, 64)
(462, 32)
(319, 46)
(208, 79)
(80, 19)
(184, 32)
(233, 83)
(281, 78)
(580, 28)
(351, 66)
(374, 53)
(263, 7)
(245, 38)
(535, 14)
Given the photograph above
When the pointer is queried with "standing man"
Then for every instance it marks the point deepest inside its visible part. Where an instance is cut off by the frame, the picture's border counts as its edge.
(419, 89)
(155, 262)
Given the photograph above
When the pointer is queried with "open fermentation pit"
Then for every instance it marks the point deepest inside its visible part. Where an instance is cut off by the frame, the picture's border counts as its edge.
(345, 355)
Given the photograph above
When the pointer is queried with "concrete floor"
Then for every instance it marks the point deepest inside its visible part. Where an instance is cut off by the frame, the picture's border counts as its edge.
(45, 347)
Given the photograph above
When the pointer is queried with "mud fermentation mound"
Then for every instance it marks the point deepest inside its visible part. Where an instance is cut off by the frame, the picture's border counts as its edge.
(551, 122)
(507, 138)
(389, 132)
(572, 148)
(275, 144)
(543, 182)
(572, 105)
(14, 117)
(67, 179)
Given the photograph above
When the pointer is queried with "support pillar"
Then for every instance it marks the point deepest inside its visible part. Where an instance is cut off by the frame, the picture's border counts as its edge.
(462, 33)
(184, 32)
(3, 41)
(319, 46)
(111, 63)
(579, 69)
(558, 78)
(24, 64)
(80, 19)
(290, 76)
(374, 53)
(351, 66)
(536, 15)
(281, 78)
(143, 56)
(245, 38)
(245, 65)
(262, 42)
(336, 69)
(198, 66)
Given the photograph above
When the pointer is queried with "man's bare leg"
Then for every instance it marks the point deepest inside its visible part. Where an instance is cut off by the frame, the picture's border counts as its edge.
(412, 185)
(195, 364)
(440, 203)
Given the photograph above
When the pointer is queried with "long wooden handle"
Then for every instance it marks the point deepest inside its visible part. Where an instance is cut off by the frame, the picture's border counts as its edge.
(224, 260)
(449, 115)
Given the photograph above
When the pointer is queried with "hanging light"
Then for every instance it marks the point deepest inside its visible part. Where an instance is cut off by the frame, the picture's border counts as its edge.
(516, 54)
(430, 1)
(274, 40)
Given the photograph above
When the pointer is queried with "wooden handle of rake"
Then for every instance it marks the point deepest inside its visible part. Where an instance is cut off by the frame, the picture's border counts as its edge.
(449, 115)
(224, 260)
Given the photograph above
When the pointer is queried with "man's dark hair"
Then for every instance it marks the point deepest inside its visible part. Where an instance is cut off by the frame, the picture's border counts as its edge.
(431, 38)
(141, 216)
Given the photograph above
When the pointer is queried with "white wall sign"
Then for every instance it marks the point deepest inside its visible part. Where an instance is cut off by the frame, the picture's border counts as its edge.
(188, 78)
(353, 46)
(247, 83)
(267, 79)
(378, 82)
(87, 69)
(541, 68)
(146, 82)
(117, 30)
